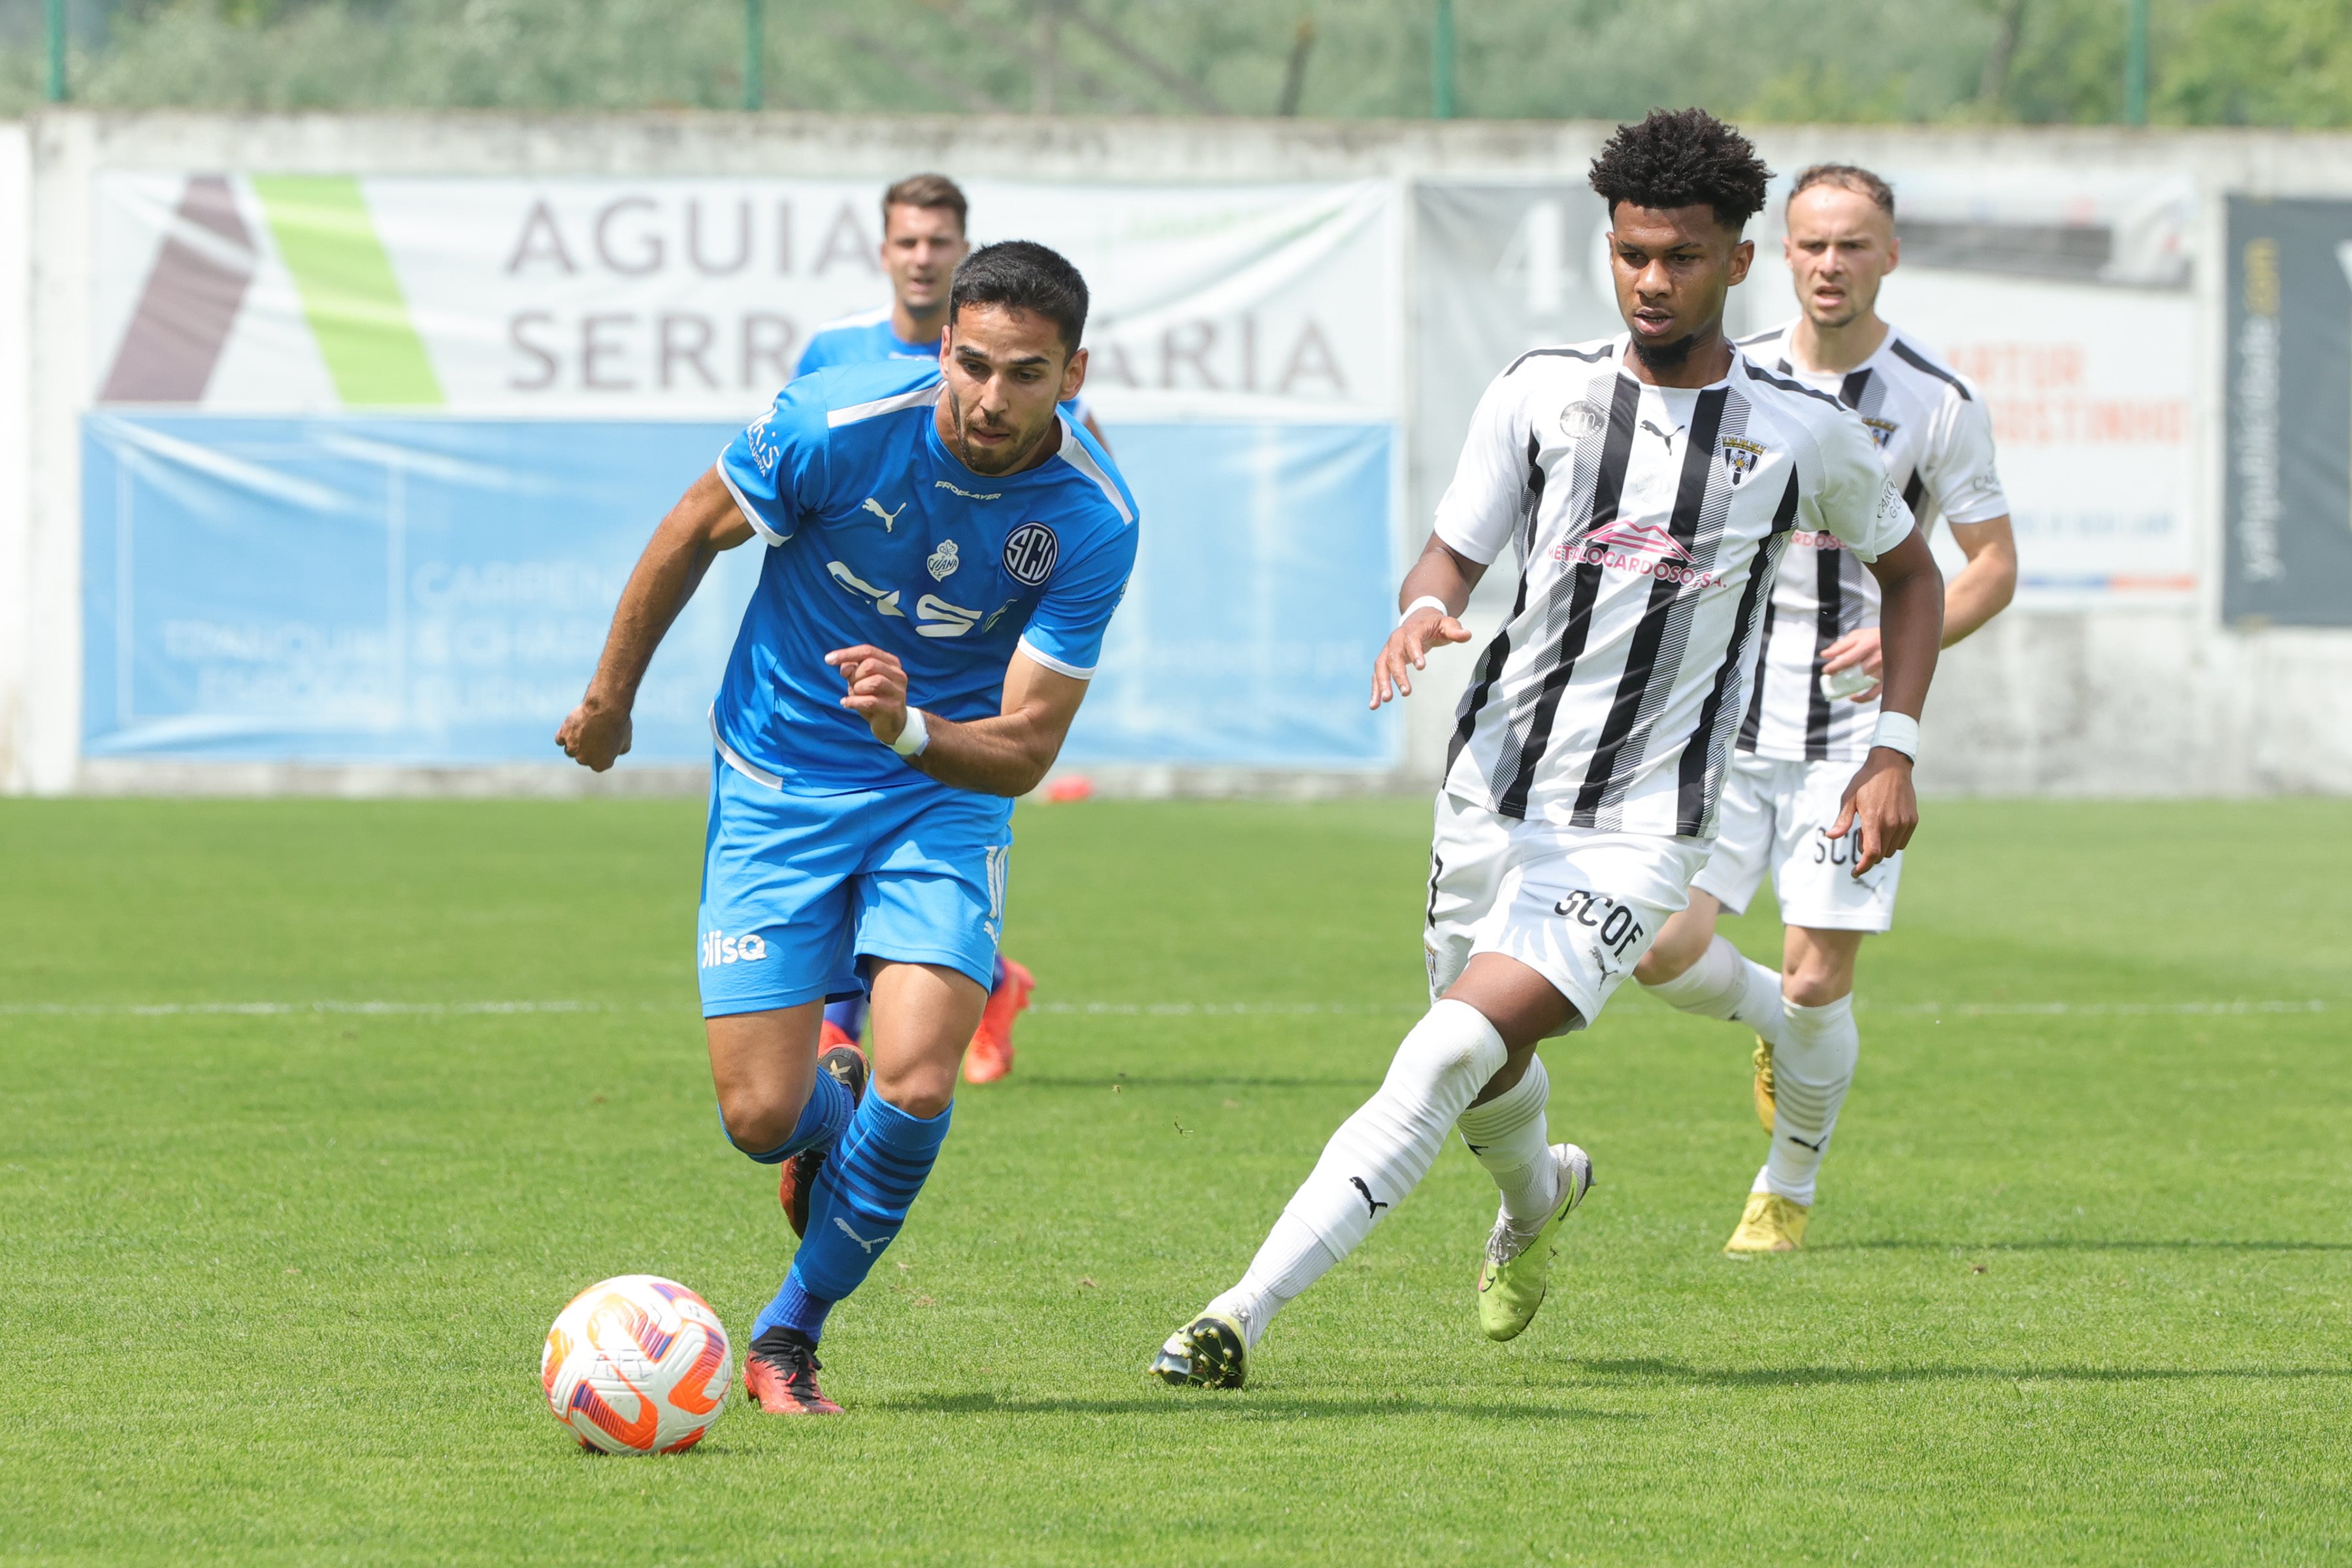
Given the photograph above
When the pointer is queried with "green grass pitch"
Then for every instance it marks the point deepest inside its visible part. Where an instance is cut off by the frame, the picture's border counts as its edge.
(273, 1284)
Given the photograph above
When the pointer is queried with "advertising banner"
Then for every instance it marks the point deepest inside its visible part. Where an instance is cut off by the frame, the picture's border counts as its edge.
(2288, 509)
(371, 457)
(2064, 299)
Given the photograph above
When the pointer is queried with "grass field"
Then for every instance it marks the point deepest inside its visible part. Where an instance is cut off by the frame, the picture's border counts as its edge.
(274, 1283)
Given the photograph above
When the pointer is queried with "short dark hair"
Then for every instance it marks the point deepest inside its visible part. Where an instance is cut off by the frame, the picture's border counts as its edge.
(926, 191)
(1848, 177)
(1681, 157)
(1022, 275)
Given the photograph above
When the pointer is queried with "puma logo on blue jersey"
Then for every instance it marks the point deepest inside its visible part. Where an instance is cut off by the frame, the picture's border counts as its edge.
(887, 516)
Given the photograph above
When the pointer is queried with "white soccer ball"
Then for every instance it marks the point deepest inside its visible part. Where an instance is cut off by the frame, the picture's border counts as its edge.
(638, 1364)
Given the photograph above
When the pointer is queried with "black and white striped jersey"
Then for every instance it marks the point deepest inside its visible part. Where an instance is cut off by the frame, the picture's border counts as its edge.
(1648, 523)
(1935, 437)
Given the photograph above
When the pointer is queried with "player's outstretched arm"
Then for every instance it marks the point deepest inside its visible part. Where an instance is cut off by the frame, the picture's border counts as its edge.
(1006, 756)
(705, 522)
(1879, 803)
(1443, 573)
(1981, 591)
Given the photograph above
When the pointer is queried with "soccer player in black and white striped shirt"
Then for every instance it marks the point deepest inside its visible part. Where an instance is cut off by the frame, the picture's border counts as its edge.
(1647, 487)
(1813, 701)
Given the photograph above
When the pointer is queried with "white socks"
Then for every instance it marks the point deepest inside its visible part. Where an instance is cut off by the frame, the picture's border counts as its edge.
(1724, 985)
(1379, 1155)
(1506, 1135)
(1812, 1066)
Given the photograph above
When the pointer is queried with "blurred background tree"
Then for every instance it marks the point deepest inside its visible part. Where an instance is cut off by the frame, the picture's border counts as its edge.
(2213, 62)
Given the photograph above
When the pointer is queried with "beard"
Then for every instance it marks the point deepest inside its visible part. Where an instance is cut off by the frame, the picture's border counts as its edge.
(1668, 356)
(1014, 456)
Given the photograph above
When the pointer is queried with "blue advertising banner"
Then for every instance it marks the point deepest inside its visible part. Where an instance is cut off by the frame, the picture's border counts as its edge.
(430, 591)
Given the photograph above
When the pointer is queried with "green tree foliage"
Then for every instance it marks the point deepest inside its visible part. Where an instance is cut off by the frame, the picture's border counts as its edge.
(2267, 62)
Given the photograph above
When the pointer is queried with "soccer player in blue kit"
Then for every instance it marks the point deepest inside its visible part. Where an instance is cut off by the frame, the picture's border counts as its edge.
(923, 238)
(945, 549)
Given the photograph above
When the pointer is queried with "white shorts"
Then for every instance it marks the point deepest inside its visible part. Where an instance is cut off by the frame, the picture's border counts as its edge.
(1776, 816)
(1577, 906)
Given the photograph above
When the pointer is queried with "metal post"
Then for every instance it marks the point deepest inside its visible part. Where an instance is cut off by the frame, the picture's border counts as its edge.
(755, 54)
(57, 40)
(1441, 63)
(1044, 64)
(2136, 66)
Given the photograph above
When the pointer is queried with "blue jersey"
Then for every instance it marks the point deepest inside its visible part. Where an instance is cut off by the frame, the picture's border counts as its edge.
(868, 338)
(878, 534)
(862, 339)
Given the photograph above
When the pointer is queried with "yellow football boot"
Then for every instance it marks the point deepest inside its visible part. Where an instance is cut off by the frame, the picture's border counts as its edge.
(1516, 1273)
(1764, 1082)
(1772, 1224)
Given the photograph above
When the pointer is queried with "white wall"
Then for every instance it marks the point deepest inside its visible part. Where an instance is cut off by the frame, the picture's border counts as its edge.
(2140, 701)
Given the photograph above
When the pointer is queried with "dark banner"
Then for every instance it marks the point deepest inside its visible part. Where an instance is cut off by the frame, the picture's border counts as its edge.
(2289, 501)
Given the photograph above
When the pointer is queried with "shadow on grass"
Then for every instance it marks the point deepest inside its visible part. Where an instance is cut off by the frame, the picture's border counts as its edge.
(1259, 1405)
(2055, 1244)
(1650, 1369)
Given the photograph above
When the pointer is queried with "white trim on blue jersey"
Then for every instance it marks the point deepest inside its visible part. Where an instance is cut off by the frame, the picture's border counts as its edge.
(921, 397)
(1058, 666)
(735, 760)
(751, 513)
(1074, 452)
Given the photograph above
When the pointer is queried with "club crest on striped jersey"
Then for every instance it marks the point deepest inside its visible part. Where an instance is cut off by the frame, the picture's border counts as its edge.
(1881, 431)
(1740, 457)
(943, 561)
(1581, 418)
(1030, 553)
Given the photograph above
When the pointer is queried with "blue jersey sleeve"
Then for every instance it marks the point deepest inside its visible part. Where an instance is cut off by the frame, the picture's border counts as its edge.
(817, 356)
(776, 469)
(1065, 632)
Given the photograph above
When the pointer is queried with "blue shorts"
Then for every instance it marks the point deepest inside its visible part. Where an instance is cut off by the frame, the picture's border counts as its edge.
(798, 889)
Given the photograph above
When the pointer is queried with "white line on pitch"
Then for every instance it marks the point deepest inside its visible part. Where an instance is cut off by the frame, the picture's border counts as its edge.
(276, 1009)
(1100, 1009)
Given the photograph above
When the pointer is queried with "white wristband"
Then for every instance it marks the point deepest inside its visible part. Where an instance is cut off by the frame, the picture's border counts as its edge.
(1898, 732)
(917, 734)
(1429, 600)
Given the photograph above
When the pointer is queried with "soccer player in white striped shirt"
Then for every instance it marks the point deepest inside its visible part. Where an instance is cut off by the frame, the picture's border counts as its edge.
(1647, 487)
(1813, 703)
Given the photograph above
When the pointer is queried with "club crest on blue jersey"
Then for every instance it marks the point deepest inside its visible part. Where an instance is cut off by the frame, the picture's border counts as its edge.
(943, 561)
(1030, 552)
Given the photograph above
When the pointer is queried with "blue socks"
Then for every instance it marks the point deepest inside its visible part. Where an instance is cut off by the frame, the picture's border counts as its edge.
(824, 1119)
(861, 1195)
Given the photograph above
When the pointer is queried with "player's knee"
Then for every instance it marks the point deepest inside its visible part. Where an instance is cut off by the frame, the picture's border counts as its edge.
(756, 1122)
(1662, 963)
(1815, 983)
(921, 1091)
(1453, 1040)
(1671, 956)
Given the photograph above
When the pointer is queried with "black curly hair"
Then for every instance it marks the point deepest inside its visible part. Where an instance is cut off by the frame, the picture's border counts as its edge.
(1681, 158)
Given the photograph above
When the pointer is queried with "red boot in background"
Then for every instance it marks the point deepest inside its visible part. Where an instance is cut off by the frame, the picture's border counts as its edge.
(989, 1056)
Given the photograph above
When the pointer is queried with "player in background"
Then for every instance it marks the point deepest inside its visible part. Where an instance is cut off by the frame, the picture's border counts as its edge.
(944, 552)
(1647, 485)
(923, 238)
(1814, 698)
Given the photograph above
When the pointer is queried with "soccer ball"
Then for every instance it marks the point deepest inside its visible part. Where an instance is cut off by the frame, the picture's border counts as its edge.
(639, 1364)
